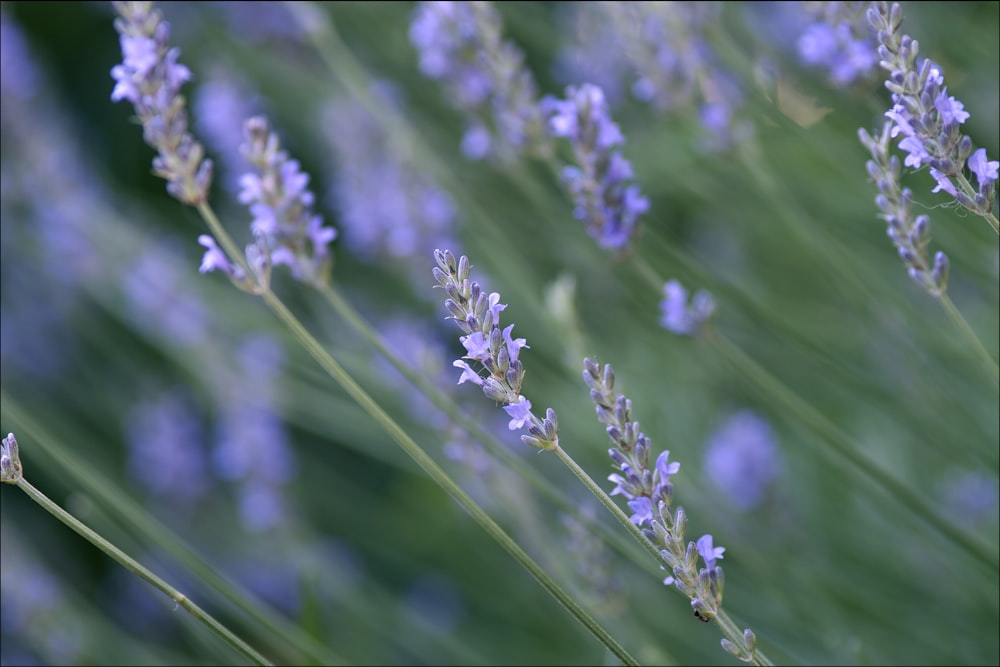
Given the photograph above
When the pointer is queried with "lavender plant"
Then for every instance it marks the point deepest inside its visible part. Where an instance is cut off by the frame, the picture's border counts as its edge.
(461, 44)
(926, 120)
(649, 493)
(598, 181)
(92, 296)
(497, 352)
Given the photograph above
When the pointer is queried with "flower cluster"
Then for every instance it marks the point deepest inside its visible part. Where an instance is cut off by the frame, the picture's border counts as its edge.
(282, 207)
(150, 78)
(599, 181)
(911, 235)
(839, 39)
(649, 494)
(460, 44)
(478, 315)
(927, 119)
(683, 319)
(390, 207)
(662, 51)
(10, 461)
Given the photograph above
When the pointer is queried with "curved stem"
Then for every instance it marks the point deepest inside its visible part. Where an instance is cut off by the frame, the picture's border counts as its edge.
(142, 572)
(440, 477)
(967, 331)
(156, 533)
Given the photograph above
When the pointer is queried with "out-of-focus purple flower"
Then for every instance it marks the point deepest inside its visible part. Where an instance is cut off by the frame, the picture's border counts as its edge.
(742, 459)
(251, 440)
(925, 118)
(478, 316)
(221, 103)
(598, 181)
(150, 78)
(970, 496)
(166, 449)
(658, 50)
(839, 39)
(160, 302)
(682, 318)
(390, 208)
(461, 45)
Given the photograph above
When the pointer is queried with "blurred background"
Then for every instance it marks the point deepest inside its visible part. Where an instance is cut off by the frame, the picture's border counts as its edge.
(176, 416)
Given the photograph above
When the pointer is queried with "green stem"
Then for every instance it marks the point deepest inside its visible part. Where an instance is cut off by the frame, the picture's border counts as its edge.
(841, 445)
(438, 475)
(726, 625)
(156, 533)
(134, 566)
(449, 407)
(967, 331)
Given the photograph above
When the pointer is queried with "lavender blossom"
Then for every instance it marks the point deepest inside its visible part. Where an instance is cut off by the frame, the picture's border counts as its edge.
(281, 207)
(741, 459)
(598, 183)
(927, 119)
(150, 78)
(661, 51)
(839, 40)
(390, 208)
(650, 492)
(911, 235)
(251, 446)
(478, 315)
(10, 461)
(681, 318)
(460, 44)
(166, 450)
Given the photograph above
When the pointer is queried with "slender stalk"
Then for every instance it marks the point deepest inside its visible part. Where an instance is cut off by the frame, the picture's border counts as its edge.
(726, 625)
(450, 408)
(137, 568)
(967, 331)
(841, 445)
(156, 533)
(440, 477)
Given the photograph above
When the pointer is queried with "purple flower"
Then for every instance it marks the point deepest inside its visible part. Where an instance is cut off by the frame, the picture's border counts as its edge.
(709, 553)
(642, 511)
(598, 181)
(150, 78)
(985, 170)
(926, 118)
(478, 315)
(281, 205)
(742, 459)
(910, 234)
(216, 260)
(840, 40)
(679, 317)
(390, 207)
(459, 44)
(520, 413)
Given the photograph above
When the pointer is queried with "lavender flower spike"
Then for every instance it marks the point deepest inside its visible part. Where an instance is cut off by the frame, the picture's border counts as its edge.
(150, 78)
(683, 319)
(460, 44)
(10, 462)
(283, 221)
(911, 235)
(599, 181)
(649, 492)
(498, 352)
(927, 118)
